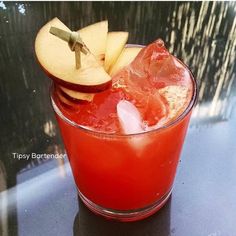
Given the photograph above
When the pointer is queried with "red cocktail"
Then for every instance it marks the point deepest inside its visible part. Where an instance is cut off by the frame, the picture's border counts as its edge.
(124, 145)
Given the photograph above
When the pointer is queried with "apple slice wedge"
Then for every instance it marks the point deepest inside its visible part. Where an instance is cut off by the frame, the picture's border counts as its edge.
(126, 57)
(115, 44)
(64, 100)
(76, 96)
(95, 38)
(58, 61)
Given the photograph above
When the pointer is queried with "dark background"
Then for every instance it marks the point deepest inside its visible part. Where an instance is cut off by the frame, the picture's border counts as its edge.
(38, 197)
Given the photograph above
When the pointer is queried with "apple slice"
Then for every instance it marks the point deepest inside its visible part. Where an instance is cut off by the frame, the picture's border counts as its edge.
(76, 96)
(95, 38)
(58, 61)
(64, 100)
(115, 44)
(125, 58)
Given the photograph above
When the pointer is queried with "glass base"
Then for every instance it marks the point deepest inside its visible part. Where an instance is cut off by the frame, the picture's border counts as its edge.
(128, 215)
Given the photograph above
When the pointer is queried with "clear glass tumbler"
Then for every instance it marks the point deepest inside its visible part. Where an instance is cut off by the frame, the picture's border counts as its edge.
(124, 177)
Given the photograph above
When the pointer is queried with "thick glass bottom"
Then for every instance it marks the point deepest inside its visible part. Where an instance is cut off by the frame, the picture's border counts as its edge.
(127, 215)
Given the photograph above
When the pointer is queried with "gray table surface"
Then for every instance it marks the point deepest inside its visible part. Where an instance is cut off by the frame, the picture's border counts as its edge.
(38, 196)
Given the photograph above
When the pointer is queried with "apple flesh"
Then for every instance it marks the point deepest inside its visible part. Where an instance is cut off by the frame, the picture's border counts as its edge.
(76, 96)
(115, 44)
(58, 61)
(126, 57)
(95, 38)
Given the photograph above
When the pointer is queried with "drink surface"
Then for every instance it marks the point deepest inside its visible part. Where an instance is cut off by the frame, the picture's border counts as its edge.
(149, 93)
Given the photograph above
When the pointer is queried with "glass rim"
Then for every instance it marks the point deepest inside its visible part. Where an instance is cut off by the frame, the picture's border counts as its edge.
(175, 121)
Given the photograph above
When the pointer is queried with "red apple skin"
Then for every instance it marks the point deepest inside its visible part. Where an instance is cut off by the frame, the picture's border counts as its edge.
(69, 98)
(82, 88)
(78, 87)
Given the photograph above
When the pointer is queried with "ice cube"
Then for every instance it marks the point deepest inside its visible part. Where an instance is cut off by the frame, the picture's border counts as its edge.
(155, 86)
(157, 67)
(149, 58)
(146, 65)
(131, 122)
(129, 117)
(137, 86)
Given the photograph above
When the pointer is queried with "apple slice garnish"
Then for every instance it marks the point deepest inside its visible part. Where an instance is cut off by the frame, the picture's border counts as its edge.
(58, 61)
(64, 100)
(126, 57)
(115, 44)
(95, 38)
(76, 96)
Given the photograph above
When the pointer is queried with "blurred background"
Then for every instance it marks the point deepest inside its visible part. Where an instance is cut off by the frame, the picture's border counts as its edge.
(201, 34)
